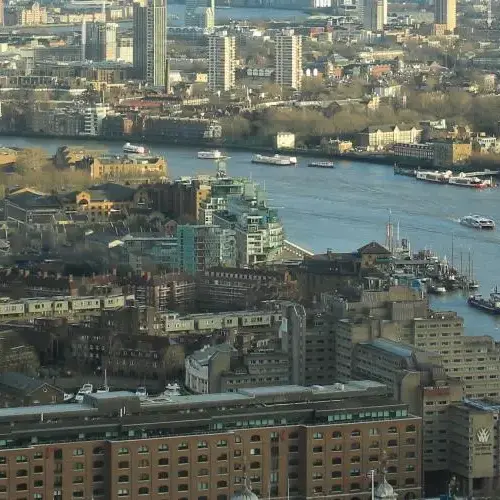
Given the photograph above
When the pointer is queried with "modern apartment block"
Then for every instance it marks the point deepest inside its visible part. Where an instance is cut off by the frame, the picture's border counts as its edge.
(308, 442)
(446, 13)
(101, 41)
(150, 41)
(221, 62)
(289, 60)
(375, 15)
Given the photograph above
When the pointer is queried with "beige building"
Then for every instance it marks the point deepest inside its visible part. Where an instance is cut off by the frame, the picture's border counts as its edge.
(386, 135)
(129, 166)
(36, 14)
(289, 60)
(221, 62)
(446, 13)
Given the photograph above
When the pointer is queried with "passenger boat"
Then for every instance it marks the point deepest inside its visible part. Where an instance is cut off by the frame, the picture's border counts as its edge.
(436, 176)
(84, 390)
(437, 289)
(491, 304)
(478, 222)
(141, 392)
(322, 164)
(462, 180)
(210, 155)
(278, 160)
(131, 148)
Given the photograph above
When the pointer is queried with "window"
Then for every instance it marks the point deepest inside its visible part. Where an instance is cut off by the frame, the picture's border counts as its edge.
(98, 451)
(21, 473)
(410, 468)
(78, 452)
(3, 460)
(22, 487)
(356, 433)
(123, 479)
(182, 487)
(98, 464)
(78, 466)
(182, 473)
(144, 463)
(392, 442)
(355, 487)
(222, 443)
(183, 460)
(37, 496)
(410, 441)
(80, 493)
(392, 430)
(392, 469)
(336, 460)
(255, 438)
(123, 451)
(123, 492)
(355, 446)
(318, 435)
(163, 461)
(20, 459)
(410, 428)
(222, 484)
(144, 476)
(38, 483)
(222, 457)
(183, 446)
(255, 465)
(318, 449)
(356, 459)
(317, 475)
(409, 481)
(203, 486)
(163, 448)
(78, 480)
(203, 472)
(336, 473)
(98, 478)
(58, 454)
(293, 435)
(355, 472)
(317, 463)
(373, 458)
(202, 458)
(143, 449)
(337, 435)
(202, 444)
(163, 489)
(293, 448)
(123, 465)
(143, 490)
(337, 447)
(254, 451)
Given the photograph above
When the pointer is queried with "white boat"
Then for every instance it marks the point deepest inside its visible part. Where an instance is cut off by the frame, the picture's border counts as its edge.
(462, 180)
(437, 289)
(68, 397)
(436, 176)
(279, 160)
(210, 155)
(131, 148)
(478, 222)
(172, 390)
(84, 390)
(141, 392)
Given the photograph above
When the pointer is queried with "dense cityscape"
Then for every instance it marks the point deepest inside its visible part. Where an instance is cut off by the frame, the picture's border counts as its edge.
(235, 261)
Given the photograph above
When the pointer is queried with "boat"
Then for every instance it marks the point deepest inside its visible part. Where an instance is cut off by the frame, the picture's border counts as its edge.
(478, 222)
(462, 180)
(436, 176)
(437, 289)
(83, 391)
(131, 148)
(172, 390)
(68, 397)
(279, 160)
(491, 304)
(322, 164)
(210, 155)
(404, 171)
(141, 392)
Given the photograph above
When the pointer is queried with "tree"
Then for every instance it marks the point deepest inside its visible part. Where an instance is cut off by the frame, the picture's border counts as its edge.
(31, 160)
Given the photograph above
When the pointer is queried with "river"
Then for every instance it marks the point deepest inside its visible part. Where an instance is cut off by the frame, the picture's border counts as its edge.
(349, 206)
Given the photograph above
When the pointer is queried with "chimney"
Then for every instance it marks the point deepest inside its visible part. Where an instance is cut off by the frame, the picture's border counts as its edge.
(45, 274)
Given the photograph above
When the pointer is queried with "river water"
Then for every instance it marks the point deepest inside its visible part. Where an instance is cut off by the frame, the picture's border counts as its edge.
(349, 206)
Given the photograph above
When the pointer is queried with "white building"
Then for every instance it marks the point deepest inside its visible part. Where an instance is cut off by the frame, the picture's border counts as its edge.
(221, 62)
(289, 59)
(93, 117)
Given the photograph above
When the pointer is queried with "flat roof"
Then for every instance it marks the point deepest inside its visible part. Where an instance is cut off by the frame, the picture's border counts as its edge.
(46, 410)
(392, 347)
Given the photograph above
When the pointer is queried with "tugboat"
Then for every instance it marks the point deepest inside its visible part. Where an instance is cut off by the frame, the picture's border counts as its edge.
(491, 305)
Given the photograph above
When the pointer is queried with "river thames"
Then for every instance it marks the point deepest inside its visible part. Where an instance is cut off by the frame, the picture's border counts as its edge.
(349, 206)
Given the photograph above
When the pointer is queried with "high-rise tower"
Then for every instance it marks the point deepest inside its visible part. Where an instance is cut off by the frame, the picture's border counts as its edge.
(289, 59)
(100, 41)
(150, 41)
(221, 62)
(446, 13)
(375, 15)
